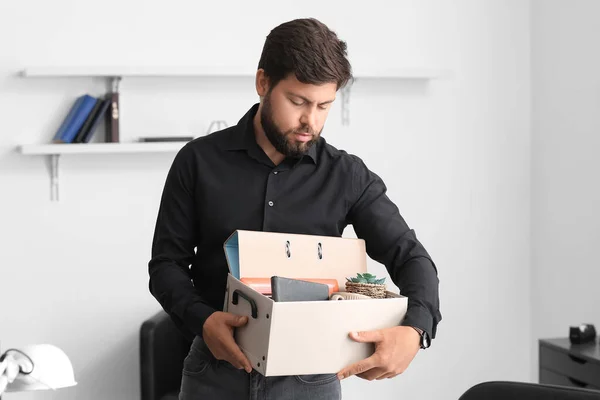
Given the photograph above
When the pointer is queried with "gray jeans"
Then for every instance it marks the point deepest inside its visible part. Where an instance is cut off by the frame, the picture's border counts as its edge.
(205, 377)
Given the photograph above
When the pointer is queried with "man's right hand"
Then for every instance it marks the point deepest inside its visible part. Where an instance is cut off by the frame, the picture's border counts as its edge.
(218, 336)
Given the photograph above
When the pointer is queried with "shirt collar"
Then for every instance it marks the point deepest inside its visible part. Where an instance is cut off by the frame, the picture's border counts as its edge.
(243, 138)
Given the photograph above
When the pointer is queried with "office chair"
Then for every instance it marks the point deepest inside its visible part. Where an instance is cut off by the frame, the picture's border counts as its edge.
(502, 390)
(162, 350)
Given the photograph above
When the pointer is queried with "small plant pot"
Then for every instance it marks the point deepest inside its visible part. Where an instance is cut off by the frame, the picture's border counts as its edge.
(373, 290)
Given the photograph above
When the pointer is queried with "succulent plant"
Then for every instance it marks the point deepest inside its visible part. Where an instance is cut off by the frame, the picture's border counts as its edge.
(366, 278)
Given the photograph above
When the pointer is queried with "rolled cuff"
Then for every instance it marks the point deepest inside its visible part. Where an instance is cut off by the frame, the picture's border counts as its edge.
(196, 315)
(421, 318)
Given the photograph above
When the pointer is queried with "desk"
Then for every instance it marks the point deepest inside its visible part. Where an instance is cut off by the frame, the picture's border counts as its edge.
(562, 363)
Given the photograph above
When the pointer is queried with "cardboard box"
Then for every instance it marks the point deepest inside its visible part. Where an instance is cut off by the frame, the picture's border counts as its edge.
(298, 338)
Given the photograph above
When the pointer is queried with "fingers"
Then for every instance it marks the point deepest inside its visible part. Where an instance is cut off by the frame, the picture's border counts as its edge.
(242, 360)
(237, 357)
(366, 336)
(373, 373)
(236, 320)
(218, 336)
(358, 368)
(377, 374)
(387, 376)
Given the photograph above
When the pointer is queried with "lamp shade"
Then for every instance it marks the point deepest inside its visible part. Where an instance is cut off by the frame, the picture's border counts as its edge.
(52, 369)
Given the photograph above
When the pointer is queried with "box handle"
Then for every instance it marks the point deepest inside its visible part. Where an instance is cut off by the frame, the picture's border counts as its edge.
(320, 251)
(235, 299)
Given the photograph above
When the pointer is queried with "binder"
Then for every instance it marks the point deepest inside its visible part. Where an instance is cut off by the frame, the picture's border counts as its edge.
(287, 289)
(112, 120)
(74, 121)
(87, 131)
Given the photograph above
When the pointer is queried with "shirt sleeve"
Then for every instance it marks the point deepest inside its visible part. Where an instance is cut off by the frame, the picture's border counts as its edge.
(390, 241)
(173, 248)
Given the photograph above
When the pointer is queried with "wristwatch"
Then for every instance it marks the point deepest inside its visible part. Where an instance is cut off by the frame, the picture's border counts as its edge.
(425, 342)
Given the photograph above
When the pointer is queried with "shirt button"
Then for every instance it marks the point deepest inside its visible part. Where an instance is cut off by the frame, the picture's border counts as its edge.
(275, 172)
(271, 204)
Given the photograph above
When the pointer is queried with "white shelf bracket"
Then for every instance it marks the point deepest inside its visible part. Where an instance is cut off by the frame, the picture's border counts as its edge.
(54, 158)
(345, 92)
(115, 81)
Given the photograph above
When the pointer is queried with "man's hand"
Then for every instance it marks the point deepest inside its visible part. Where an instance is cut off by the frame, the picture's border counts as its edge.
(395, 348)
(218, 336)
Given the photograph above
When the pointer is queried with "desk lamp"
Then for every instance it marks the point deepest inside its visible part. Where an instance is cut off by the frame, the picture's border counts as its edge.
(42, 367)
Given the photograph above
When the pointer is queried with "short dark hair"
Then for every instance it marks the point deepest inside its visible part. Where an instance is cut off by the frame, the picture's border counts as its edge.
(307, 48)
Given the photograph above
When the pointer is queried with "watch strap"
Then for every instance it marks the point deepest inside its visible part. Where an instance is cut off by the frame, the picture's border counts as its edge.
(424, 341)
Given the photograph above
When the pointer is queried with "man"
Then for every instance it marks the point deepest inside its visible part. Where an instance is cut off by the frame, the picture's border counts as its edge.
(274, 172)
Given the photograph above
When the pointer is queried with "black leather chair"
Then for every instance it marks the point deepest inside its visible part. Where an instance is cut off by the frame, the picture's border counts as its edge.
(502, 390)
(162, 350)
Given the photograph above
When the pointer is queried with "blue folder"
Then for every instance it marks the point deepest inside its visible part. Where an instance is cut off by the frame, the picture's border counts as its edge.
(75, 119)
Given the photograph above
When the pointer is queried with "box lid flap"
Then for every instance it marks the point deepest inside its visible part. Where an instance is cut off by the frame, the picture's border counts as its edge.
(254, 254)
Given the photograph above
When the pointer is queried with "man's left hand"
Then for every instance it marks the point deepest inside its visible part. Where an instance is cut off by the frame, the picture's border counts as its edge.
(395, 348)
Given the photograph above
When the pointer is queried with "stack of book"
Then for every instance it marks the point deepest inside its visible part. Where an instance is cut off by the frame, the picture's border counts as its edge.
(82, 120)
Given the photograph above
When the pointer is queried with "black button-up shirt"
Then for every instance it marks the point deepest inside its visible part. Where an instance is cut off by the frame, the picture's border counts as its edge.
(224, 181)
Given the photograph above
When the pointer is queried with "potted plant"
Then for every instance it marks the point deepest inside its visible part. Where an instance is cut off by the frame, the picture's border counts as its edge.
(367, 284)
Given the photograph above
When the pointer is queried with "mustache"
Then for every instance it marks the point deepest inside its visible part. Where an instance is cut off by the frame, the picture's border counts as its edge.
(304, 131)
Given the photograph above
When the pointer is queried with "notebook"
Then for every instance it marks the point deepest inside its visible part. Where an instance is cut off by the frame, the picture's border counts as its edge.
(287, 289)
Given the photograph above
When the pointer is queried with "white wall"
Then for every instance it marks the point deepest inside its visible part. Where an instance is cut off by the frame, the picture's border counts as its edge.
(565, 165)
(456, 161)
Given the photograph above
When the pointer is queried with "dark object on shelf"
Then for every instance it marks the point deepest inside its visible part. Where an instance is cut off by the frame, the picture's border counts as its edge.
(583, 333)
(112, 116)
(87, 130)
(166, 139)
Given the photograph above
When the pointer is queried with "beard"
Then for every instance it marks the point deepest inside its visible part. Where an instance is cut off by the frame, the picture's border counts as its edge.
(284, 142)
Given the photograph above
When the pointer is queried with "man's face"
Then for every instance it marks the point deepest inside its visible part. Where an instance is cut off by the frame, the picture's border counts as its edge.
(293, 114)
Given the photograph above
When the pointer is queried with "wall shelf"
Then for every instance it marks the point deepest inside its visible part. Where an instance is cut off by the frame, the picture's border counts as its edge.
(54, 151)
(124, 72)
(99, 148)
(208, 72)
(116, 73)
